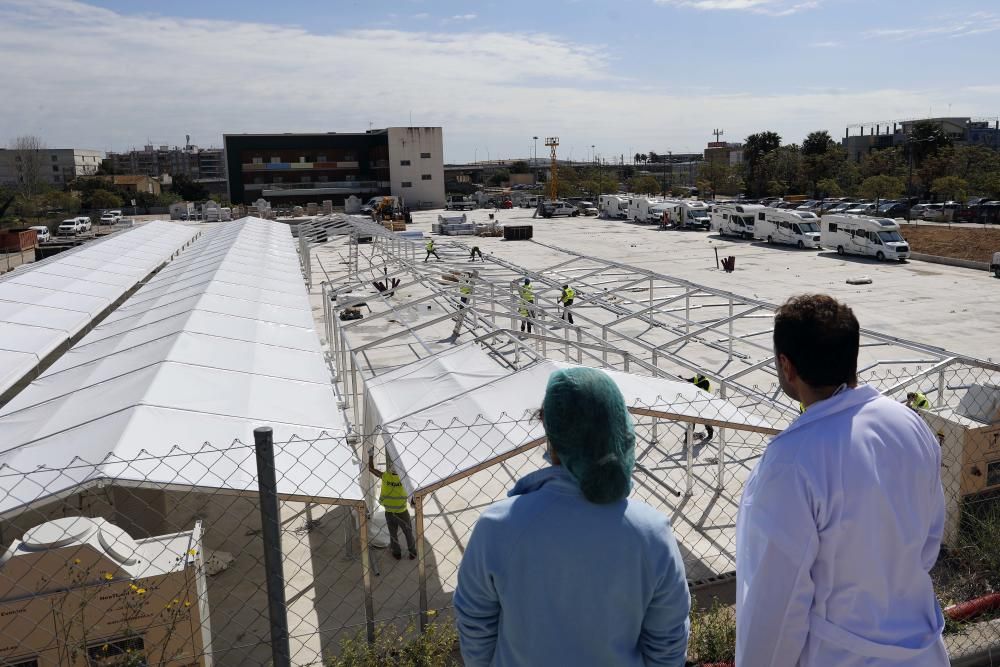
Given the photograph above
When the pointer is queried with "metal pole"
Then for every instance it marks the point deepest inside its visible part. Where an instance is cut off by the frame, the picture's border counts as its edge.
(418, 502)
(721, 455)
(366, 573)
(941, 388)
(687, 312)
(579, 350)
(263, 438)
(689, 446)
(730, 327)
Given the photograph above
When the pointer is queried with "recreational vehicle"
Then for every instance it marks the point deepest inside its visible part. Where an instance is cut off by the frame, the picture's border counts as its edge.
(689, 214)
(646, 209)
(734, 219)
(797, 228)
(862, 235)
(613, 206)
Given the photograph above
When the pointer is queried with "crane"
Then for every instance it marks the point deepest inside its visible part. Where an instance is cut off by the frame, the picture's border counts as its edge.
(553, 143)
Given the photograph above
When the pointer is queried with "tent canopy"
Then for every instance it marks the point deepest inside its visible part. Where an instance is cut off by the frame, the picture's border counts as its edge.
(195, 360)
(461, 432)
(44, 305)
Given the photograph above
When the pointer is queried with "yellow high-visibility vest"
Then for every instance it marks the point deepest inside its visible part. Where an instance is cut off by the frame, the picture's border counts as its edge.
(429, 246)
(528, 293)
(920, 401)
(568, 294)
(393, 495)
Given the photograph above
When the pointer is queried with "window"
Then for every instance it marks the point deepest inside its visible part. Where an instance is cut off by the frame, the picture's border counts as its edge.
(425, 155)
(833, 226)
(993, 473)
(115, 653)
(302, 159)
(275, 160)
(425, 177)
(783, 224)
(725, 216)
(55, 168)
(55, 158)
(404, 163)
(760, 216)
(407, 184)
(258, 160)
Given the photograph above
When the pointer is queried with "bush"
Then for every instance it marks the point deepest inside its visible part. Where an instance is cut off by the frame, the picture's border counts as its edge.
(713, 634)
(392, 648)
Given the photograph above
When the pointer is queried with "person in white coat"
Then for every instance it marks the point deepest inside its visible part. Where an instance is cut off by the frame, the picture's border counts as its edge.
(841, 520)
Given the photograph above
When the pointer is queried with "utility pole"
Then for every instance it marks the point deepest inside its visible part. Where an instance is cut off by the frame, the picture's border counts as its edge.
(553, 143)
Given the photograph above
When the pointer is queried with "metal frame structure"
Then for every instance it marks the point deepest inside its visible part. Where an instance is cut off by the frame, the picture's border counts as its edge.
(627, 318)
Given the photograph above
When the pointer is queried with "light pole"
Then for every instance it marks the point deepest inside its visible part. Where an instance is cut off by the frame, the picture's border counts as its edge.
(534, 159)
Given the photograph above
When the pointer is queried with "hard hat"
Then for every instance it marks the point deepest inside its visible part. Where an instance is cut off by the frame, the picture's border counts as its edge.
(527, 281)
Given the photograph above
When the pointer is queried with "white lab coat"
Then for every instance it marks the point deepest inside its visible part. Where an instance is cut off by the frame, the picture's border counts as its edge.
(839, 525)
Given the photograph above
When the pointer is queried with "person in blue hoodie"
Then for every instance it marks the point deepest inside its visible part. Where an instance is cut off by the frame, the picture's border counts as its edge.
(568, 570)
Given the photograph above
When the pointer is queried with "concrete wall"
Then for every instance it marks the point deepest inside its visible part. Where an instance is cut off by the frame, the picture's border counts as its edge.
(421, 182)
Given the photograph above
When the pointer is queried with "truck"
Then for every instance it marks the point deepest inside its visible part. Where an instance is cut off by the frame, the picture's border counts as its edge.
(864, 235)
(613, 207)
(734, 219)
(689, 214)
(459, 203)
(797, 228)
(70, 227)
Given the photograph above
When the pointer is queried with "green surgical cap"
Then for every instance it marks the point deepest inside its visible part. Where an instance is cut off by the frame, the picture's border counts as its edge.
(591, 431)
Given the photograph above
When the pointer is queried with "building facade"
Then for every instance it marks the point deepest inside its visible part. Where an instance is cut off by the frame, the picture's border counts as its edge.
(198, 164)
(53, 166)
(301, 168)
(960, 129)
(138, 183)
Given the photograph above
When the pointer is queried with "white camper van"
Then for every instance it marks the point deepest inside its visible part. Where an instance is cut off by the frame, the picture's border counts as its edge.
(613, 207)
(862, 235)
(690, 214)
(646, 209)
(797, 228)
(734, 219)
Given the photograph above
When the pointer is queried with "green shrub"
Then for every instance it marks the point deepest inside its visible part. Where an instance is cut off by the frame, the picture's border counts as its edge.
(713, 634)
(436, 647)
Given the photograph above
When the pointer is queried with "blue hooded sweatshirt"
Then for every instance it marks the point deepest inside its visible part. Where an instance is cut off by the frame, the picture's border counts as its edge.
(550, 578)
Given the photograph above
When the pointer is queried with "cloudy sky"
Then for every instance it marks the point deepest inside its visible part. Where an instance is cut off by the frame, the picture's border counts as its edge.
(623, 76)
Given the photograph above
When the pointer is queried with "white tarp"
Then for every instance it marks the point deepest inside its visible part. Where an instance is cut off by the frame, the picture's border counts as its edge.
(43, 305)
(195, 360)
(477, 425)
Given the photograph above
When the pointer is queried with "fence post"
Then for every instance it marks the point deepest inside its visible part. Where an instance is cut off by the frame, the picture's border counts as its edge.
(263, 438)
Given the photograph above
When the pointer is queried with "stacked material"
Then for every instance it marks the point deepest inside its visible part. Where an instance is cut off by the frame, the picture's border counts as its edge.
(312, 208)
(518, 232)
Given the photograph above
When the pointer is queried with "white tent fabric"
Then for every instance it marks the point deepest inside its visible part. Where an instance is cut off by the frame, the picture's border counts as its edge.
(45, 304)
(489, 421)
(193, 361)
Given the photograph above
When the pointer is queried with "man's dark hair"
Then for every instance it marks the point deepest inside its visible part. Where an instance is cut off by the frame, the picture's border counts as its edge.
(820, 336)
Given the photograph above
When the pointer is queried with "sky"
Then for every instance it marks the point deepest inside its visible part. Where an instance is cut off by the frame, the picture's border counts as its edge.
(608, 78)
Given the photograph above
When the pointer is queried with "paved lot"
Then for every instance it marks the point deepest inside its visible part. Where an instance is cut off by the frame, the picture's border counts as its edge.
(939, 305)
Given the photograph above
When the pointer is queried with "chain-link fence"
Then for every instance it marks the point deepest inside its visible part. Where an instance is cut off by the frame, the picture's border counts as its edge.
(176, 572)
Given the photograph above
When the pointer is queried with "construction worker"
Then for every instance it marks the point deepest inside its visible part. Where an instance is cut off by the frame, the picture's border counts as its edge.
(527, 301)
(393, 499)
(476, 251)
(465, 286)
(429, 247)
(916, 400)
(566, 299)
(702, 383)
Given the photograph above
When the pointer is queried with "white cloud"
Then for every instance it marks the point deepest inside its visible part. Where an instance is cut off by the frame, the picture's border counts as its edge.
(421, 15)
(463, 17)
(830, 44)
(159, 78)
(977, 23)
(769, 7)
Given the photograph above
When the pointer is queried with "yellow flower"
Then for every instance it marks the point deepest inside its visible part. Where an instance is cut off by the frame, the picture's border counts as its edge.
(187, 603)
(76, 561)
(140, 591)
(192, 552)
(108, 576)
(431, 612)
(133, 587)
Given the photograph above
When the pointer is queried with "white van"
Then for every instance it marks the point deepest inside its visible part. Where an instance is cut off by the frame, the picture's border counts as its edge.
(735, 219)
(863, 235)
(529, 201)
(797, 228)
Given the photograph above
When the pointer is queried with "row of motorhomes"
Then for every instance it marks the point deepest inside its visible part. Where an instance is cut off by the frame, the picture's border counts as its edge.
(848, 234)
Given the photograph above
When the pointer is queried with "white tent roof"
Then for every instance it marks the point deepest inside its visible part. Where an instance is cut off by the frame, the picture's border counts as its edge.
(45, 304)
(195, 360)
(492, 424)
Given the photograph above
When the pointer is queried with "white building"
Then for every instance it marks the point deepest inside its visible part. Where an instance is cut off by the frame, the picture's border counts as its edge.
(56, 166)
(416, 165)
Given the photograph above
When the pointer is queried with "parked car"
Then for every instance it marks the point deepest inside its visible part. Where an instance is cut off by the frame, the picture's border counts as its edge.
(586, 208)
(70, 227)
(110, 218)
(941, 212)
(85, 223)
(893, 210)
(43, 233)
(553, 208)
(917, 211)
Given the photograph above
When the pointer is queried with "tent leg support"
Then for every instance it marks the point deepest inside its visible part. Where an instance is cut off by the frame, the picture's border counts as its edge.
(366, 574)
(421, 560)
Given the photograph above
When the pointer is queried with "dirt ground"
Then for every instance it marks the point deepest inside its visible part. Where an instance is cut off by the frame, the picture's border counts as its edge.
(958, 242)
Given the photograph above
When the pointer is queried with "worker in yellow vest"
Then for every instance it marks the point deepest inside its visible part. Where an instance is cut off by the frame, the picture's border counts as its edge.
(431, 250)
(393, 499)
(566, 299)
(527, 302)
(917, 401)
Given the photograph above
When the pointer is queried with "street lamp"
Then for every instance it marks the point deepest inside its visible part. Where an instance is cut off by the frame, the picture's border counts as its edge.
(534, 159)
